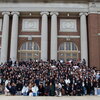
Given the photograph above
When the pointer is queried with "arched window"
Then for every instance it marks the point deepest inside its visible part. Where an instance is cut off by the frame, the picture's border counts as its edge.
(61, 47)
(29, 50)
(67, 51)
(69, 46)
(29, 46)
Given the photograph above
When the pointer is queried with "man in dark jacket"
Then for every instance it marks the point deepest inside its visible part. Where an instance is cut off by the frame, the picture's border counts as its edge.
(19, 87)
(13, 89)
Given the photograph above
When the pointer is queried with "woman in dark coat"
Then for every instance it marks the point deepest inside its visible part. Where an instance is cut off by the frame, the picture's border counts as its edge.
(52, 89)
(41, 90)
(46, 90)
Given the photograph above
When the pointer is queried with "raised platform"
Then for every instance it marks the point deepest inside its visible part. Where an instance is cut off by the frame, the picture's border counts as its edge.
(50, 98)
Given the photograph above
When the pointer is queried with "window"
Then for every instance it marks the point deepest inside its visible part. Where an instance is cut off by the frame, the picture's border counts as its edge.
(29, 50)
(74, 46)
(67, 51)
(29, 45)
(68, 54)
(36, 47)
(68, 46)
(23, 47)
(62, 47)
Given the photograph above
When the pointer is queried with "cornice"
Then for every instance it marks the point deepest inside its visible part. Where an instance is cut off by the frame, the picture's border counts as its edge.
(40, 7)
(49, 7)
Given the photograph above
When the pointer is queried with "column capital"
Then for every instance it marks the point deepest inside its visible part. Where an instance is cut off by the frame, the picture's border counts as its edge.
(15, 12)
(98, 12)
(3, 13)
(83, 13)
(92, 12)
(54, 13)
(42, 13)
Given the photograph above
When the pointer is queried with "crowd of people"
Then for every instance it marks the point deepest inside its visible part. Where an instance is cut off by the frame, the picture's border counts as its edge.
(50, 78)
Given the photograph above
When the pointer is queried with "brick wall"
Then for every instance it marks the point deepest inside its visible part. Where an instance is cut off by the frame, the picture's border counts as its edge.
(94, 40)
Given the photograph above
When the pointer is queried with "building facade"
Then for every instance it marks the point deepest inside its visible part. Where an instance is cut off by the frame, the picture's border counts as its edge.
(60, 31)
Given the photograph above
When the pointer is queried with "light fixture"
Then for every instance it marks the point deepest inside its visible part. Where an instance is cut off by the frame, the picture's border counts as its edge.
(68, 14)
(30, 14)
(30, 38)
(68, 38)
(93, 3)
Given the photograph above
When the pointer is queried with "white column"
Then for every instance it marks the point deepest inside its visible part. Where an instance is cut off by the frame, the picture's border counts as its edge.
(14, 36)
(83, 33)
(44, 36)
(5, 34)
(53, 35)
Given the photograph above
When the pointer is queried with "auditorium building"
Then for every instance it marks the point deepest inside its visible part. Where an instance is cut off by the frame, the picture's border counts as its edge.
(50, 29)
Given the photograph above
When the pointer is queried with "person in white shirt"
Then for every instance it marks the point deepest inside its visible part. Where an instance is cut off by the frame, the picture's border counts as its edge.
(25, 90)
(7, 89)
(7, 81)
(35, 90)
(58, 88)
(67, 81)
(0, 80)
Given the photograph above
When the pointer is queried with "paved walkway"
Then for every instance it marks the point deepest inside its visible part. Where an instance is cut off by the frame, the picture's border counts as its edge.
(50, 98)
